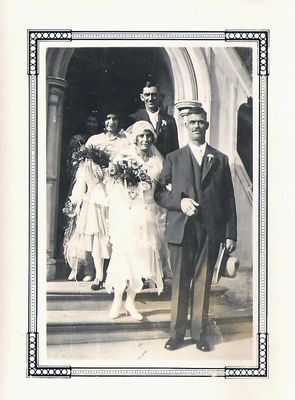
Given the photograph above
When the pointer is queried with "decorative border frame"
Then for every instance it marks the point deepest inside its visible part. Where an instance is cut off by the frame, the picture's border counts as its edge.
(261, 39)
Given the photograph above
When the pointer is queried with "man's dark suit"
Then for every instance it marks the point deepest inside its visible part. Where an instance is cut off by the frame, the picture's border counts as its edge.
(194, 241)
(166, 130)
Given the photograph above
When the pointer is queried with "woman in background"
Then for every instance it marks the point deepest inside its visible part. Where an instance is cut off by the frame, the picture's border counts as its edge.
(90, 234)
(91, 128)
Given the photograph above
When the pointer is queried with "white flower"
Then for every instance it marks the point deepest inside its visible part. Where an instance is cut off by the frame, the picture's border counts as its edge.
(164, 123)
(210, 157)
(169, 187)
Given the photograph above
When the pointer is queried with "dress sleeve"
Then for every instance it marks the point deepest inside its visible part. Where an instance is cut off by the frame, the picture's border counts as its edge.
(169, 199)
(79, 187)
(95, 140)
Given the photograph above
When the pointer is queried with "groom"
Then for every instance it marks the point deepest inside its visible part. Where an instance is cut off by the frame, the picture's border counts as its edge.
(196, 188)
(163, 124)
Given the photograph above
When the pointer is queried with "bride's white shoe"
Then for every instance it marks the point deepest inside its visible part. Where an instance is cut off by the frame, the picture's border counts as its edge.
(131, 310)
(72, 276)
(115, 311)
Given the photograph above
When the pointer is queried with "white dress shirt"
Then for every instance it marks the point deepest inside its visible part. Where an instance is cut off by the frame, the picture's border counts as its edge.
(154, 117)
(198, 151)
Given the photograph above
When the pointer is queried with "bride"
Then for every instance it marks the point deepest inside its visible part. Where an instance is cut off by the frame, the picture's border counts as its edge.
(135, 231)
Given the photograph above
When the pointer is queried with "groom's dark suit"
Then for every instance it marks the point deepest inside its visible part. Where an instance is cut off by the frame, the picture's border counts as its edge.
(194, 241)
(166, 130)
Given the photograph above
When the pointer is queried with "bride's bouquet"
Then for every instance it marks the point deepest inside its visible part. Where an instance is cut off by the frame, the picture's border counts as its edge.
(98, 156)
(130, 171)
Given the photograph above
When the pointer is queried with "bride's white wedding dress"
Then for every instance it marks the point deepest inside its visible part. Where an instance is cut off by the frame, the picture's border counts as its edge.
(135, 232)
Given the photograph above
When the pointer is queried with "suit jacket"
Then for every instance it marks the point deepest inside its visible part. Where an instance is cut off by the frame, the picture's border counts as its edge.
(166, 130)
(215, 194)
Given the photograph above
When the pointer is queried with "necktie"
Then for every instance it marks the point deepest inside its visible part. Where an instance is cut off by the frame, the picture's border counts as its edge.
(154, 121)
(199, 156)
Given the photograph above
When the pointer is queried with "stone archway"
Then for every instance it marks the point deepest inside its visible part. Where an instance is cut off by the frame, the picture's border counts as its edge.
(184, 66)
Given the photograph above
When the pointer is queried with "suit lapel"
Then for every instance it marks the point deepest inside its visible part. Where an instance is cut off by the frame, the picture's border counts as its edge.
(144, 115)
(208, 161)
(159, 123)
(186, 163)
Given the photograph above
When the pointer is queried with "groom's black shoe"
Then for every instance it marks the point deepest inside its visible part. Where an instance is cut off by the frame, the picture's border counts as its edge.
(97, 285)
(173, 343)
(203, 345)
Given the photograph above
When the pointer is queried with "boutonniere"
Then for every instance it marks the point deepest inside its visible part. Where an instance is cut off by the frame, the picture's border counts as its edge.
(164, 123)
(210, 158)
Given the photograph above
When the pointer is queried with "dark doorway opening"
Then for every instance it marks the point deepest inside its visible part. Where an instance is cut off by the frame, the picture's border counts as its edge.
(111, 78)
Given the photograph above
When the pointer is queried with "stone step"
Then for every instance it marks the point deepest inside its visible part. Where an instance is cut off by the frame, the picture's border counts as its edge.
(77, 314)
(80, 295)
(84, 288)
(84, 326)
(66, 295)
(71, 327)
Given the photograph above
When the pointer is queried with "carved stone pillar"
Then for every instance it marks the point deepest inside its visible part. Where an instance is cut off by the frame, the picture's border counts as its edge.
(55, 96)
(183, 106)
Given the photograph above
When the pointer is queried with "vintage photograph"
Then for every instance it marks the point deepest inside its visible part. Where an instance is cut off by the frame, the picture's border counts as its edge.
(153, 205)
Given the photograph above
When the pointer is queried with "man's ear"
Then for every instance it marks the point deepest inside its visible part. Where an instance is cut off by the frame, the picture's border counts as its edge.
(207, 125)
(141, 97)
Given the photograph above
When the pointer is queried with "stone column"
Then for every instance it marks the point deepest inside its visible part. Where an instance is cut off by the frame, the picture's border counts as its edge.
(183, 106)
(55, 96)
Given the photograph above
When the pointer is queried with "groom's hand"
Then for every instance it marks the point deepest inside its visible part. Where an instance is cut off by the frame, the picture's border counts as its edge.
(189, 207)
(230, 246)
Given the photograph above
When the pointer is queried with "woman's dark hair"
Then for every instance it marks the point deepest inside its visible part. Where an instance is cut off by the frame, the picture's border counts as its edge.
(92, 113)
(116, 114)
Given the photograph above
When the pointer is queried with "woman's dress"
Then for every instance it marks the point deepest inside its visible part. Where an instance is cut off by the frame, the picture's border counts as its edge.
(91, 233)
(135, 232)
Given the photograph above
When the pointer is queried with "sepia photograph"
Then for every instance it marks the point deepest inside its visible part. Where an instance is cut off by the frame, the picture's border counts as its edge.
(150, 203)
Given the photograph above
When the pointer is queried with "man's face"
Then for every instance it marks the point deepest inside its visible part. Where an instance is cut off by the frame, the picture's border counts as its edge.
(197, 125)
(151, 98)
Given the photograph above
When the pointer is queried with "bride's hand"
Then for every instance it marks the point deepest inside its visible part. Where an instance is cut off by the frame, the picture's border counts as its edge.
(144, 186)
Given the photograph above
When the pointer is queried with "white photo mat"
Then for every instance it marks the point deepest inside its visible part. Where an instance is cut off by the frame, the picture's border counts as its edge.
(38, 42)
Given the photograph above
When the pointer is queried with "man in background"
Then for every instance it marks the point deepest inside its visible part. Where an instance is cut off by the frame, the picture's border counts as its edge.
(163, 123)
